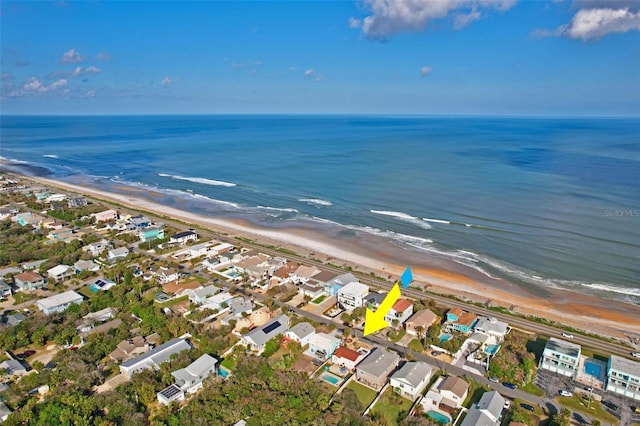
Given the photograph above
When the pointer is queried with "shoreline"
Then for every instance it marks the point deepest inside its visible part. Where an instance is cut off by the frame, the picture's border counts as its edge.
(613, 318)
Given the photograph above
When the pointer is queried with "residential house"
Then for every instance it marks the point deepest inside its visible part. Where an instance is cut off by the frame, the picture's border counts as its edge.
(210, 263)
(623, 377)
(102, 283)
(9, 270)
(28, 281)
(177, 289)
(487, 412)
(257, 338)
(190, 378)
(35, 264)
(60, 272)
(322, 346)
(448, 390)
(138, 222)
(376, 367)
(219, 302)
(105, 215)
(183, 237)
(88, 321)
(85, 265)
(11, 320)
(63, 234)
(492, 327)
(374, 299)
(5, 213)
(333, 285)
(118, 253)
(200, 295)
(460, 320)
(130, 348)
(171, 393)
(237, 307)
(24, 219)
(59, 302)
(166, 275)
(312, 289)
(352, 295)
(347, 358)
(55, 198)
(303, 273)
(301, 333)
(400, 312)
(154, 357)
(151, 233)
(560, 357)
(423, 318)
(411, 379)
(4, 412)
(5, 290)
(96, 249)
(75, 202)
(102, 328)
(13, 367)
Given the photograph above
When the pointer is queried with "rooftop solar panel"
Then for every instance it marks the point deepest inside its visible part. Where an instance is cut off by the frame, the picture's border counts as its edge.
(268, 329)
(170, 391)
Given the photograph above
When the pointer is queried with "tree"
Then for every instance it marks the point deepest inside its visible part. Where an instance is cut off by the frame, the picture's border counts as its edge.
(345, 317)
(420, 331)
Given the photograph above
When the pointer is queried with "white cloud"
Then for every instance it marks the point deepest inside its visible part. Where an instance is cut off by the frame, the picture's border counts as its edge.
(91, 93)
(588, 24)
(33, 86)
(72, 56)
(6, 76)
(309, 72)
(92, 70)
(424, 71)
(394, 16)
(168, 81)
(354, 22)
(319, 77)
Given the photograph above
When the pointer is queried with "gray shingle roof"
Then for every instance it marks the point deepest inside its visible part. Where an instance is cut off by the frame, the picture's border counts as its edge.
(378, 362)
(160, 353)
(413, 372)
(268, 331)
(563, 347)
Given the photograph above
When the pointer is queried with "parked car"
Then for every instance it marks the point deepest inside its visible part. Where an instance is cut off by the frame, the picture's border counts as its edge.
(527, 407)
(494, 379)
(507, 404)
(21, 356)
(635, 354)
(567, 335)
(29, 352)
(509, 385)
(566, 393)
(435, 353)
(610, 405)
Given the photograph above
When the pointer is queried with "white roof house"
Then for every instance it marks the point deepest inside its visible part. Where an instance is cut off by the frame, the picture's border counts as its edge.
(190, 378)
(486, 412)
(154, 357)
(59, 272)
(492, 327)
(301, 333)
(352, 295)
(59, 302)
(411, 379)
(120, 252)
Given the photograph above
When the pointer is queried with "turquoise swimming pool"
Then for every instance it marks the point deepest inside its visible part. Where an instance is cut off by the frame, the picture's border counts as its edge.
(330, 378)
(444, 337)
(439, 417)
(591, 368)
(491, 349)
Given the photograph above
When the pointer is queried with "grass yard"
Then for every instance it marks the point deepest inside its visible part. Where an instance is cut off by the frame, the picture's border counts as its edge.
(86, 291)
(318, 300)
(390, 405)
(577, 403)
(364, 394)
(533, 389)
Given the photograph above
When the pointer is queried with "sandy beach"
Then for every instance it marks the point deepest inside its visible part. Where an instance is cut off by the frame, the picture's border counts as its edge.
(596, 315)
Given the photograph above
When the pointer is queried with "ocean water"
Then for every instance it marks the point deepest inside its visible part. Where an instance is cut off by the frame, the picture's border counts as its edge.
(540, 202)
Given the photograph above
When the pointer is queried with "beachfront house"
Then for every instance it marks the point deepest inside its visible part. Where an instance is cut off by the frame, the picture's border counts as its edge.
(374, 299)
(184, 237)
(623, 377)
(460, 320)
(138, 222)
(75, 202)
(322, 346)
(448, 390)
(28, 281)
(492, 327)
(190, 378)
(151, 233)
(312, 289)
(487, 412)
(59, 302)
(154, 357)
(424, 319)
(411, 379)
(105, 215)
(303, 273)
(352, 295)
(374, 370)
(60, 272)
(400, 312)
(118, 253)
(347, 358)
(560, 357)
(257, 338)
(301, 333)
(334, 284)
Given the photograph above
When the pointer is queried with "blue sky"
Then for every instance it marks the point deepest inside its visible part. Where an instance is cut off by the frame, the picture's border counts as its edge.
(445, 57)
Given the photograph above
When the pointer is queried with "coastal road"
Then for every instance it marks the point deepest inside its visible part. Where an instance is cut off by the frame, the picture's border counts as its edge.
(598, 345)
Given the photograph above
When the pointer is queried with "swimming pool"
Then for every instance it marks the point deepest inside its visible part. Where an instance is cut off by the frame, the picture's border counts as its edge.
(491, 349)
(439, 417)
(444, 337)
(591, 368)
(222, 372)
(93, 288)
(330, 378)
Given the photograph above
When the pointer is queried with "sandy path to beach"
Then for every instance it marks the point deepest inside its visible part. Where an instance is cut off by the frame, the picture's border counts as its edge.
(609, 317)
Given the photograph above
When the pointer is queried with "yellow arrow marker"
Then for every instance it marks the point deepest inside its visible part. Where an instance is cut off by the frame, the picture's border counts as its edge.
(374, 321)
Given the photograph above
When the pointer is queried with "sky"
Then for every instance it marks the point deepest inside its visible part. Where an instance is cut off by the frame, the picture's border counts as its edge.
(445, 57)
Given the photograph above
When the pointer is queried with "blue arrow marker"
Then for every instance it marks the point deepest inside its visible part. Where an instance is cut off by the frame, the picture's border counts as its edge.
(406, 278)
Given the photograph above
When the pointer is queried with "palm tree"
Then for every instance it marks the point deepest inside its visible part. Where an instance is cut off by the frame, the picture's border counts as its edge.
(420, 333)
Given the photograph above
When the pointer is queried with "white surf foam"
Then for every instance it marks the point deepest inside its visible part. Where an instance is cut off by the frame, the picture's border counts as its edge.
(316, 201)
(427, 219)
(403, 217)
(277, 209)
(50, 156)
(203, 181)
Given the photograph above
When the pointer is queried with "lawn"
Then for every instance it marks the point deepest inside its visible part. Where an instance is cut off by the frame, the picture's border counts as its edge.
(319, 299)
(533, 389)
(364, 394)
(174, 302)
(20, 297)
(86, 291)
(475, 393)
(577, 403)
(390, 406)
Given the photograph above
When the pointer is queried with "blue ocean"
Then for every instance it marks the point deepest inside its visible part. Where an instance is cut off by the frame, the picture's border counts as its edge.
(540, 202)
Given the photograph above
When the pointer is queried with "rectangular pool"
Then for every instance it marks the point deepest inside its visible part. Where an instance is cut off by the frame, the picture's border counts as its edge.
(330, 378)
